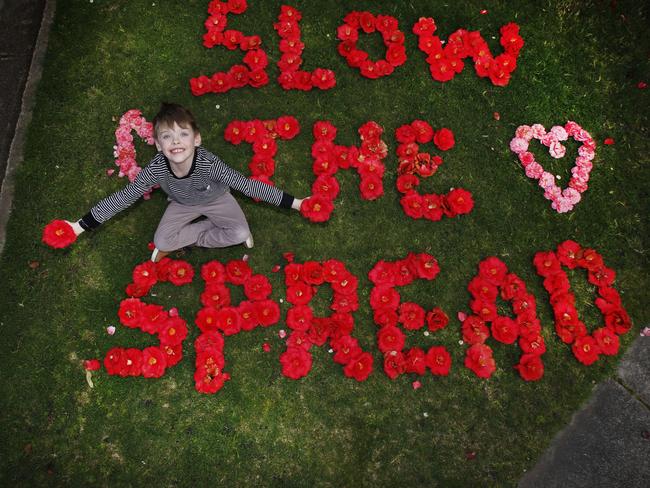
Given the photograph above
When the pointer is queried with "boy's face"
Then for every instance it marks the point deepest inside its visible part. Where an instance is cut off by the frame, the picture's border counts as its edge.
(177, 143)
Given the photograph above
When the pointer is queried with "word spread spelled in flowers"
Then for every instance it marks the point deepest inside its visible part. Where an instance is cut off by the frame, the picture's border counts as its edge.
(220, 317)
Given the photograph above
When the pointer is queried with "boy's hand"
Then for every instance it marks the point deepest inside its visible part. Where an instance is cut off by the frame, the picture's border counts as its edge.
(297, 202)
(75, 227)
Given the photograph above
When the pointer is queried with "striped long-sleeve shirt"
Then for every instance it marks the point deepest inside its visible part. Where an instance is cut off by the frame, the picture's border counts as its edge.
(208, 178)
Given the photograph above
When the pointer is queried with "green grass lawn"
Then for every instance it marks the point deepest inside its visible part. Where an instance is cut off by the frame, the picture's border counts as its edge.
(582, 61)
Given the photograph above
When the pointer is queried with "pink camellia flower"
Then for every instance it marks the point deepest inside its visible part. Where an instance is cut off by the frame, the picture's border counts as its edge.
(562, 205)
(548, 139)
(553, 193)
(518, 145)
(559, 132)
(534, 170)
(526, 158)
(538, 131)
(586, 152)
(547, 180)
(557, 150)
(572, 195)
(524, 132)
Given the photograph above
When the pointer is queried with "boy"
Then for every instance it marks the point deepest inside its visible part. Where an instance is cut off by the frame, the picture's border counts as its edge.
(201, 211)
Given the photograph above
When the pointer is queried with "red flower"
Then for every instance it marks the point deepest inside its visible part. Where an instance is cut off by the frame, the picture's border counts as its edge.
(460, 201)
(130, 312)
(299, 294)
(228, 320)
(317, 208)
(215, 295)
(411, 315)
(92, 364)
(180, 273)
(415, 361)
(256, 60)
(324, 131)
(493, 270)
(132, 363)
(209, 340)
(173, 332)
(58, 234)
(296, 363)
(485, 309)
(444, 139)
(474, 330)
(607, 341)
(153, 362)
(383, 273)
(202, 85)
(412, 204)
(505, 330)
(323, 78)
(173, 354)
(257, 287)
(287, 127)
(327, 186)
(439, 360)
(390, 338)
(238, 271)
(360, 367)
(299, 338)
(320, 330)
(145, 274)
(312, 273)
(483, 289)
(586, 350)
(530, 367)
(407, 183)
(618, 321)
(385, 316)
(153, 318)
(266, 347)
(437, 319)
(268, 312)
(433, 207)
(300, 317)
(247, 315)
(479, 359)
(346, 348)
(371, 187)
(213, 272)
(546, 263)
(532, 343)
(394, 364)
(384, 296)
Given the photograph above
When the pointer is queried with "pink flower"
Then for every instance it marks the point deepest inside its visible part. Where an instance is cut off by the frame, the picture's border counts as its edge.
(553, 193)
(547, 180)
(518, 145)
(562, 205)
(557, 150)
(534, 170)
(559, 132)
(524, 132)
(548, 139)
(571, 195)
(538, 131)
(526, 158)
(586, 152)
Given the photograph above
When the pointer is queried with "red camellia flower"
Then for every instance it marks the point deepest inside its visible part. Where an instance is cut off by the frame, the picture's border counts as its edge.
(394, 364)
(173, 354)
(586, 350)
(296, 362)
(384, 296)
(411, 315)
(206, 319)
(130, 312)
(209, 340)
(415, 361)
(493, 270)
(173, 332)
(153, 362)
(257, 287)
(346, 348)
(58, 234)
(444, 139)
(238, 271)
(474, 330)
(390, 338)
(530, 367)
(317, 208)
(153, 318)
(479, 359)
(437, 319)
(300, 317)
(213, 272)
(460, 201)
(371, 187)
(268, 312)
(299, 294)
(215, 295)
(180, 272)
(145, 274)
(228, 320)
(505, 330)
(413, 205)
(607, 340)
(359, 367)
(439, 360)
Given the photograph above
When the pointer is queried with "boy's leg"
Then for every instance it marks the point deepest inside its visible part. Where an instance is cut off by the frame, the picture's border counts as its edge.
(176, 229)
(228, 224)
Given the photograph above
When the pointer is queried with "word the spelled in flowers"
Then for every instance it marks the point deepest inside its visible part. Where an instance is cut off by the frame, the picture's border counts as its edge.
(562, 200)
(444, 63)
(220, 318)
(413, 165)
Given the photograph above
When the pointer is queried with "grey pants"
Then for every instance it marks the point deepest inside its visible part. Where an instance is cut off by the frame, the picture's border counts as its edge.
(225, 225)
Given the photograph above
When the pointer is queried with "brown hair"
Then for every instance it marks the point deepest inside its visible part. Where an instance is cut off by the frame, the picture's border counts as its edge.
(172, 112)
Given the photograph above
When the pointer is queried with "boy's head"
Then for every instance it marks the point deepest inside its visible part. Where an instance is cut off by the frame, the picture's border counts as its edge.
(170, 113)
(176, 134)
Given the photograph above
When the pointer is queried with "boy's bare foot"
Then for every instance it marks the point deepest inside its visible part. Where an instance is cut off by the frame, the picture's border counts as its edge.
(249, 243)
(157, 255)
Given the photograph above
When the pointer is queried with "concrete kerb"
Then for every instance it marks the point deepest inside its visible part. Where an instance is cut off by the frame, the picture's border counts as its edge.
(16, 151)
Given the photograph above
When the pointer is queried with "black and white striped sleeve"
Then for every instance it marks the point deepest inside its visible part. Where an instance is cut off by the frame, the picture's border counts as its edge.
(220, 171)
(120, 200)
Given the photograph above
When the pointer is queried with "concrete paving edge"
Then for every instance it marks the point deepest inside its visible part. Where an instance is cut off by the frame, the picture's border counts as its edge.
(16, 151)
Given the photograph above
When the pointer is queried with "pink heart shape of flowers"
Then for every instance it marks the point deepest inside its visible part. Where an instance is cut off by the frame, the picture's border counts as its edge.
(562, 200)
